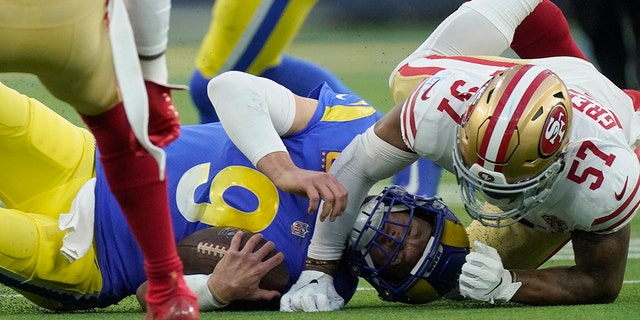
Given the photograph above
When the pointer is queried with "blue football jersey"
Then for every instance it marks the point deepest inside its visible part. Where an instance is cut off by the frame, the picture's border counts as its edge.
(212, 183)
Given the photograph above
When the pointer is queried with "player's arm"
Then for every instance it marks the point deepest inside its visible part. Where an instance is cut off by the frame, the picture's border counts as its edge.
(238, 274)
(256, 112)
(235, 277)
(376, 154)
(596, 278)
(367, 159)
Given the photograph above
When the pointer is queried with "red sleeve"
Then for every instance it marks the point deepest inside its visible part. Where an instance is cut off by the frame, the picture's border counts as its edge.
(545, 33)
(635, 97)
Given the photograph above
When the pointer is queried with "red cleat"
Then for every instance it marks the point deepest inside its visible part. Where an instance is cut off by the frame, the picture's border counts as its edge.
(181, 307)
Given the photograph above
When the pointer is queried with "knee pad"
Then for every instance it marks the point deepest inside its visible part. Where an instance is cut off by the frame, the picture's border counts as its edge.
(30, 257)
(45, 174)
(19, 237)
(11, 114)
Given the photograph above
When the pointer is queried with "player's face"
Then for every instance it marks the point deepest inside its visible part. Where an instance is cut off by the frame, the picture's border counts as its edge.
(411, 248)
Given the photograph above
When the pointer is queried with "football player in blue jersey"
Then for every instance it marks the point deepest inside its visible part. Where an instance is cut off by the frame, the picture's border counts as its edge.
(410, 247)
(251, 36)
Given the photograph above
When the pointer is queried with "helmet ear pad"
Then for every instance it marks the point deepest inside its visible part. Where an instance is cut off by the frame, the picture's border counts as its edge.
(455, 247)
(437, 270)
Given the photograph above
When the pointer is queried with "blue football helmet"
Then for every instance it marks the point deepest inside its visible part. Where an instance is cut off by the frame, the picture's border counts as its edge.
(435, 273)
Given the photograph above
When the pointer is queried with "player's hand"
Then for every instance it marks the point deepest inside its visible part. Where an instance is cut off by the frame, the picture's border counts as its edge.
(314, 291)
(314, 185)
(324, 192)
(164, 122)
(237, 275)
(484, 278)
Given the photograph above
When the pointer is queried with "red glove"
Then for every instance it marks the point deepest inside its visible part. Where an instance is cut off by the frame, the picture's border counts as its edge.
(164, 121)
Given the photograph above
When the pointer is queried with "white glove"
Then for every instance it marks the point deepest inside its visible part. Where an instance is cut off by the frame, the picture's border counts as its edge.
(484, 278)
(312, 292)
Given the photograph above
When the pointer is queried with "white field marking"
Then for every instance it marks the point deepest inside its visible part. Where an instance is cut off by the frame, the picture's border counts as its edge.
(365, 288)
(566, 253)
(450, 193)
(624, 282)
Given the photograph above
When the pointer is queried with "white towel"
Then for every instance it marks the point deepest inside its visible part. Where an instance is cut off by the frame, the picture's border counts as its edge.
(78, 223)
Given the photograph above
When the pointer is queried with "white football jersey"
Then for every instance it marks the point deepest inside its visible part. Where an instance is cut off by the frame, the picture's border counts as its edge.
(598, 188)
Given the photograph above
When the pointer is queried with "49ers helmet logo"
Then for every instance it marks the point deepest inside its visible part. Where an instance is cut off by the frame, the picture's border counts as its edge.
(554, 130)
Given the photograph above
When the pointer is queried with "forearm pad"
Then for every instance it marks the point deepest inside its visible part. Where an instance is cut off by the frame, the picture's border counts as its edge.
(365, 161)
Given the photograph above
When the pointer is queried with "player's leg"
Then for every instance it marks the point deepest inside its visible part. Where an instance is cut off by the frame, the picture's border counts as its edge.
(301, 76)
(298, 75)
(31, 262)
(250, 37)
(545, 33)
(45, 158)
(150, 25)
(422, 178)
(131, 171)
(519, 246)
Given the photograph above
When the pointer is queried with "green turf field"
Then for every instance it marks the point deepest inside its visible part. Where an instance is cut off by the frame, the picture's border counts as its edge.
(363, 58)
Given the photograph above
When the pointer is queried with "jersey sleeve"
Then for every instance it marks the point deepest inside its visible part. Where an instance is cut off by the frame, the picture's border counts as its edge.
(431, 113)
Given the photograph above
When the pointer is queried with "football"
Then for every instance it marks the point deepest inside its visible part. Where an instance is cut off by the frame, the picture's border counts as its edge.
(202, 250)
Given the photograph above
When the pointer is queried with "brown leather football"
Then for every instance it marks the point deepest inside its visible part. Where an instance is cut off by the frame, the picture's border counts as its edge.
(202, 250)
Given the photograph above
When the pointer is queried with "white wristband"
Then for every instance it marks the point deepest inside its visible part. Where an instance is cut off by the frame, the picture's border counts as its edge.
(508, 287)
(198, 285)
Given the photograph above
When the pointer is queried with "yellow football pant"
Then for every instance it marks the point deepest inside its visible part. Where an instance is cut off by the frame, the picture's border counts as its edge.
(233, 26)
(44, 160)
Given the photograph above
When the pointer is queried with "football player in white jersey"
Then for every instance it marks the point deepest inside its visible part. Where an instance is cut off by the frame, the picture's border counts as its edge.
(542, 150)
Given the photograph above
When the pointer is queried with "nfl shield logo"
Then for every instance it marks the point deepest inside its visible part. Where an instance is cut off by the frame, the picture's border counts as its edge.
(299, 229)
